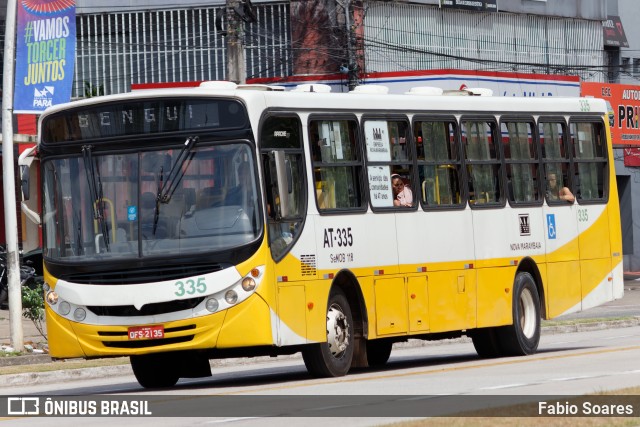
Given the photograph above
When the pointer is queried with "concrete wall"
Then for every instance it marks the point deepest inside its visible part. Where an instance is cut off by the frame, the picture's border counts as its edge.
(629, 13)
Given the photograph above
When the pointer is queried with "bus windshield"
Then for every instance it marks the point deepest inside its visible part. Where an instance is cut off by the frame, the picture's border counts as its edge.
(190, 199)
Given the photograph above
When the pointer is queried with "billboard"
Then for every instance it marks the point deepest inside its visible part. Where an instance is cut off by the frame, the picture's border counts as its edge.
(613, 32)
(45, 53)
(476, 5)
(624, 102)
(631, 156)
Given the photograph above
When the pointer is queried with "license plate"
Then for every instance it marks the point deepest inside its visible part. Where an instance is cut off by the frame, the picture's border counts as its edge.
(146, 332)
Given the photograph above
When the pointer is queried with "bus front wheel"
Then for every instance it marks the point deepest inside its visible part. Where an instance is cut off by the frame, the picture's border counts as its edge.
(522, 337)
(333, 358)
(155, 370)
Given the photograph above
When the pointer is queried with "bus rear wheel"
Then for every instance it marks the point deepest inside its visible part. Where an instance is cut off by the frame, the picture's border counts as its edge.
(523, 336)
(333, 358)
(155, 370)
(378, 352)
(485, 341)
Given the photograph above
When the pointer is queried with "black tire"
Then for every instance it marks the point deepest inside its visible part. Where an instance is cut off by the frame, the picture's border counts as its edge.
(4, 296)
(486, 343)
(523, 336)
(378, 352)
(333, 358)
(155, 370)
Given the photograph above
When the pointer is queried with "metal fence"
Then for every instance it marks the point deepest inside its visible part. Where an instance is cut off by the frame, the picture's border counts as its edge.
(118, 49)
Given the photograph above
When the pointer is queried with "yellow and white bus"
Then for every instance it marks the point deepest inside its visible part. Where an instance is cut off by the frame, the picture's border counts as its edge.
(181, 225)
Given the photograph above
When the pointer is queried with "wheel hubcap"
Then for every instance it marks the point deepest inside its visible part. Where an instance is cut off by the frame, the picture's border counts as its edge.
(527, 314)
(337, 331)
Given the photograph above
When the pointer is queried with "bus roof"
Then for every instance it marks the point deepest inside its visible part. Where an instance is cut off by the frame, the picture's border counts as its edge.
(361, 101)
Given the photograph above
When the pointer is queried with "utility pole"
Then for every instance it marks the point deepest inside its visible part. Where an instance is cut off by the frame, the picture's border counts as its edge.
(9, 184)
(236, 71)
(352, 63)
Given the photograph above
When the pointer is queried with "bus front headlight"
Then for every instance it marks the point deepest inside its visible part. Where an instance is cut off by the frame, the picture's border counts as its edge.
(248, 284)
(52, 297)
(231, 297)
(212, 305)
(79, 314)
(65, 308)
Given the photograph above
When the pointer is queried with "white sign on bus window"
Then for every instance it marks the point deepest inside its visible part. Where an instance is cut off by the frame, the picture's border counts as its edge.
(380, 186)
(377, 137)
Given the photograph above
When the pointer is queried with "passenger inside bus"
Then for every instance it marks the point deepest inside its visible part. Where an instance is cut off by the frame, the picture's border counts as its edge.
(555, 192)
(402, 194)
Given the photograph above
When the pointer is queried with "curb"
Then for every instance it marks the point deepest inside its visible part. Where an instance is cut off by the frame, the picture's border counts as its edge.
(594, 326)
(74, 374)
(64, 375)
(28, 359)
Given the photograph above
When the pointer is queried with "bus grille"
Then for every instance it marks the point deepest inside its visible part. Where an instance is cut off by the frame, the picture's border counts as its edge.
(147, 309)
(141, 275)
(147, 343)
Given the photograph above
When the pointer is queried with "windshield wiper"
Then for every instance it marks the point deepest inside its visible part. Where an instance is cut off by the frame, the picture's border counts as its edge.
(79, 238)
(95, 190)
(177, 171)
(156, 209)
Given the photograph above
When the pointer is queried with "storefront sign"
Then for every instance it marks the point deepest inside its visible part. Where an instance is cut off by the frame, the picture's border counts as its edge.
(613, 32)
(632, 157)
(624, 108)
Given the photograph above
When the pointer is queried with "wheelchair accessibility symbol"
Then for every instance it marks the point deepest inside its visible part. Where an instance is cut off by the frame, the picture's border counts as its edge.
(551, 226)
(132, 213)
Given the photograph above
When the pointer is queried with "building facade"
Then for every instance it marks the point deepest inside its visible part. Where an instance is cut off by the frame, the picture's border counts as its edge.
(627, 71)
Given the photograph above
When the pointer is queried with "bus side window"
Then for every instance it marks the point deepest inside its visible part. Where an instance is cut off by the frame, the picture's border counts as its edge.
(589, 156)
(521, 161)
(390, 168)
(483, 161)
(555, 156)
(337, 164)
(439, 164)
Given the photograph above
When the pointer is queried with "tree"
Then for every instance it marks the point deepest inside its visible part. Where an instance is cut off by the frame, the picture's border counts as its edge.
(91, 90)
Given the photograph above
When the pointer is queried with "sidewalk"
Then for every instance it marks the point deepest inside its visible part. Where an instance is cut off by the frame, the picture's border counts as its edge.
(30, 334)
(31, 340)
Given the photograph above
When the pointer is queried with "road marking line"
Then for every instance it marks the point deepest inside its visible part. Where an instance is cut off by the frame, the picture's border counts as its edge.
(498, 387)
(231, 420)
(580, 377)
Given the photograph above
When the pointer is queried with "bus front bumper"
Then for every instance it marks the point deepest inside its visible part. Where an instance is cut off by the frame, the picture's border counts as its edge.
(247, 324)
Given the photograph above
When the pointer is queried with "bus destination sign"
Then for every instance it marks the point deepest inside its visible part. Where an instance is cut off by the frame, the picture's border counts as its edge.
(120, 119)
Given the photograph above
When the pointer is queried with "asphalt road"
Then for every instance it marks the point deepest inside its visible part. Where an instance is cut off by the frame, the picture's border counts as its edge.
(629, 305)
